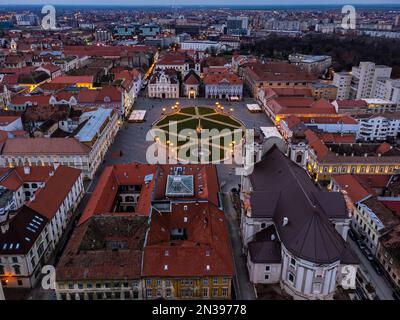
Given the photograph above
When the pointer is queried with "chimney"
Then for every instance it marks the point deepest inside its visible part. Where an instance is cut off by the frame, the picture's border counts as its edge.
(27, 170)
(285, 221)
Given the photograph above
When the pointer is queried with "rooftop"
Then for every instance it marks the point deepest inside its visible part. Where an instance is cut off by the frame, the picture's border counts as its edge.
(106, 247)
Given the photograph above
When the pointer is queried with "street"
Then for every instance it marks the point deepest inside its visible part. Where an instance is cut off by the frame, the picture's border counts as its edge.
(380, 283)
(243, 288)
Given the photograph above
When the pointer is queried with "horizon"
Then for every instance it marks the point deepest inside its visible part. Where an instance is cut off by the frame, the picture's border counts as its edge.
(207, 3)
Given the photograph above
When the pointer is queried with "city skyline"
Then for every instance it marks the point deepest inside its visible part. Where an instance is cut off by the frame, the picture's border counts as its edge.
(205, 3)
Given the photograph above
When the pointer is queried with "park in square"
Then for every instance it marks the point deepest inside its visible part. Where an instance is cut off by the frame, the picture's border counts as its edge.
(200, 133)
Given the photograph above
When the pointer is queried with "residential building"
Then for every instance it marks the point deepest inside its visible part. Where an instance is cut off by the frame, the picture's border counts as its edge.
(225, 85)
(275, 75)
(10, 123)
(313, 64)
(342, 81)
(364, 79)
(388, 89)
(201, 45)
(238, 26)
(179, 61)
(29, 237)
(103, 260)
(85, 151)
(379, 127)
(371, 218)
(324, 91)
(159, 216)
(279, 104)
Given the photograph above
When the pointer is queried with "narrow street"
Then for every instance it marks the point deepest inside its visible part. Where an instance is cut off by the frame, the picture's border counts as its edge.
(243, 288)
(380, 283)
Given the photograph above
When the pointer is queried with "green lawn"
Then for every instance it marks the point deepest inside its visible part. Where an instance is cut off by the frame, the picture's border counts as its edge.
(225, 119)
(173, 117)
(190, 110)
(184, 121)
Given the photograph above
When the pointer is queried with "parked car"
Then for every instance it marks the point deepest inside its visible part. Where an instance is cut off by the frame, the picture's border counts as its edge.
(361, 244)
(352, 235)
(377, 268)
(368, 254)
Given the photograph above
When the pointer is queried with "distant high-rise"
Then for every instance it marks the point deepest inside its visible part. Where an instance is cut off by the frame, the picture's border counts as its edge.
(365, 77)
(342, 81)
(397, 21)
(237, 26)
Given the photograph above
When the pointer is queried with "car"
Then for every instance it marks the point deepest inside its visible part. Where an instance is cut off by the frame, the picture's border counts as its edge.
(368, 254)
(377, 268)
(361, 244)
(352, 235)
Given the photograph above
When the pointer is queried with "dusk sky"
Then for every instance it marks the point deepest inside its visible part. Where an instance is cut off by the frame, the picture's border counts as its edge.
(204, 2)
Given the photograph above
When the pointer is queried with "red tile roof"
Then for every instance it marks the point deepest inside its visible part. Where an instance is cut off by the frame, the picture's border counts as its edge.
(343, 104)
(73, 79)
(352, 187)
(6, 120)
(44, 146)
(102, 199)
(207, 246)
(221, 78)
(49, 199)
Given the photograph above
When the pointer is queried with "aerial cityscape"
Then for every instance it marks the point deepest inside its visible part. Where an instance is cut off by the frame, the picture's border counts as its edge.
(224, 151)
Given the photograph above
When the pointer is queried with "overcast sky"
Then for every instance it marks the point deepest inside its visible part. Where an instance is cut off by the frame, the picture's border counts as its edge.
(196, 2)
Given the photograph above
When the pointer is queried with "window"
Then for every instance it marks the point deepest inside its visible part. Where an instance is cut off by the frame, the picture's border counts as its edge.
(17, 269)
(291, 277)
(293, 262)
(2, 269)
(205, 282)
(224, 292)
(167, 283)
(98, 285)
(266, 277)
(205, 292)
(14, 259)
(148, 282)
(215, 292)
(267, 268)
(263, 225)
(148, 293)
(19, 282)
(215, 280)
(168, 293)
(158, 282)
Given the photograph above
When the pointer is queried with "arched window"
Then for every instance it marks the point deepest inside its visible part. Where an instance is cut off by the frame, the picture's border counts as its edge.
(299, 158)
(17, 269)
(263, 225)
